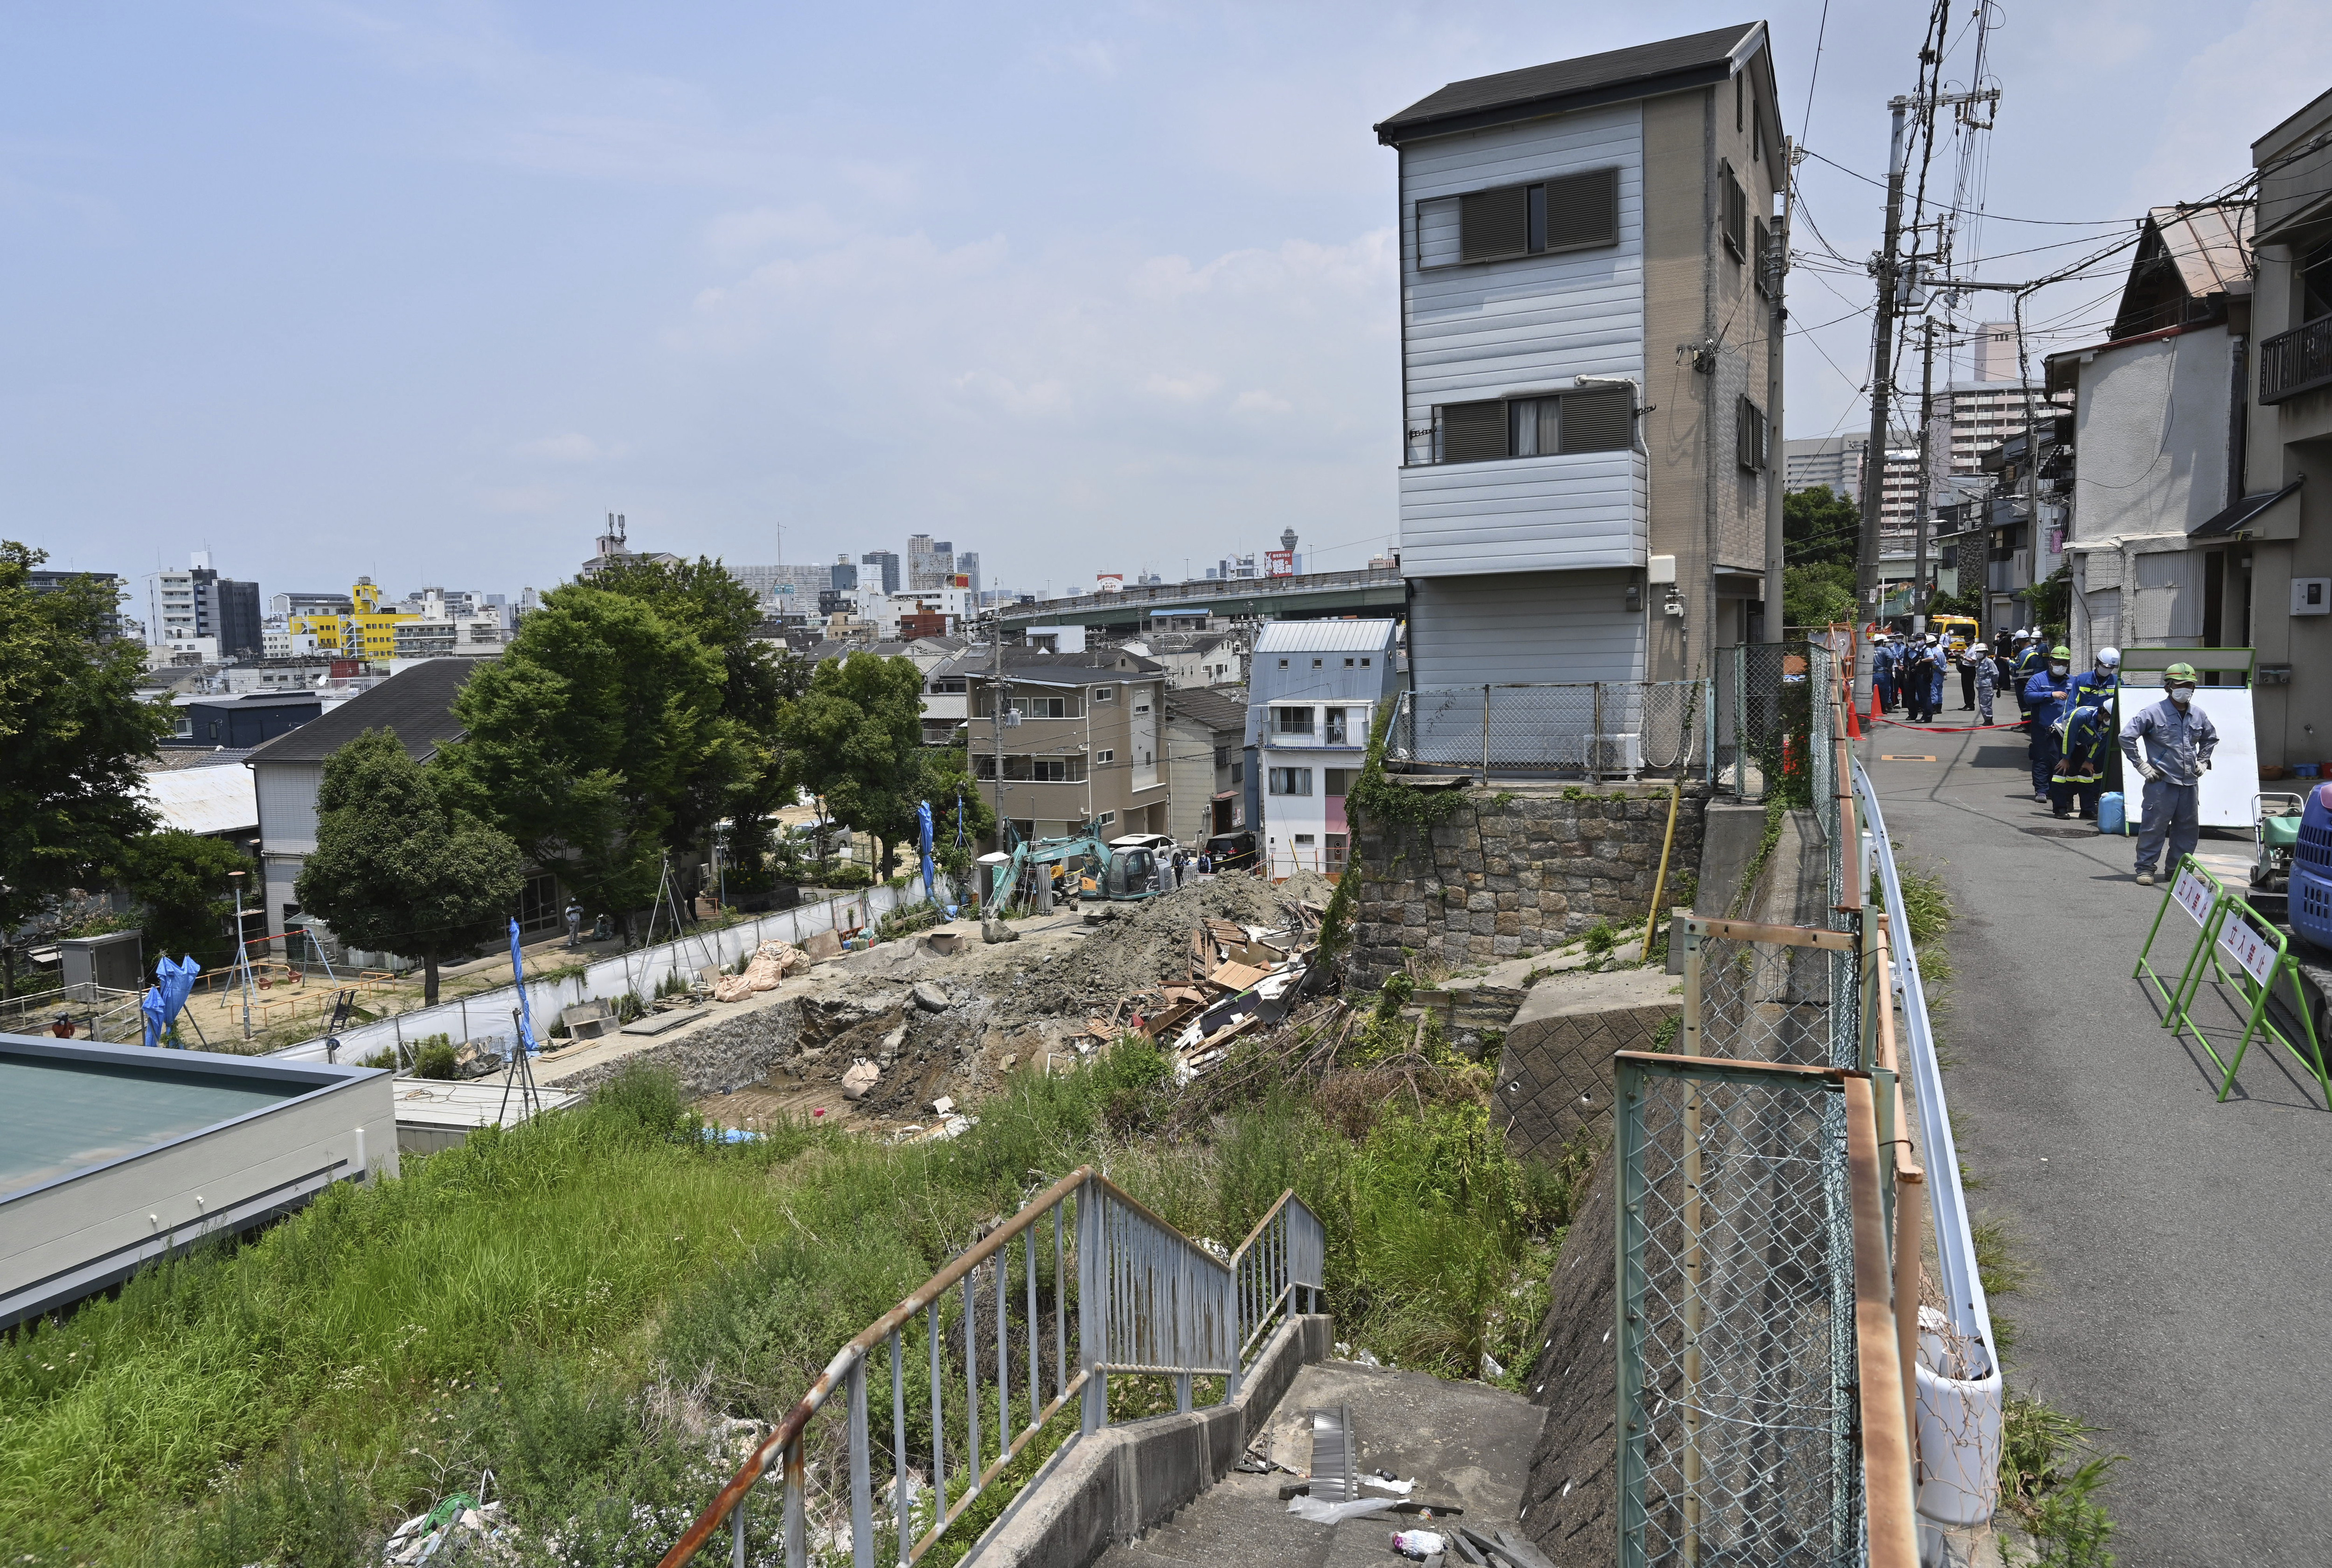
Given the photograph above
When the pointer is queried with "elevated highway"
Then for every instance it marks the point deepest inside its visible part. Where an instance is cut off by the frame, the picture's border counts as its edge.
(1313, 596)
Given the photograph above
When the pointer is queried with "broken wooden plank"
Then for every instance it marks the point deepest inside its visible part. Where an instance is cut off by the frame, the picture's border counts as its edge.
(1237, 977)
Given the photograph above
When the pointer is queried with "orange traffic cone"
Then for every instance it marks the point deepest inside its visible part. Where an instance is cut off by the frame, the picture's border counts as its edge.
(1853, 730)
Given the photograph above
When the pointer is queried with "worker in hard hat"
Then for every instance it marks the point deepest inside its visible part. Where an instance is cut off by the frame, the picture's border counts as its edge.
(2169, 742)
(1985, 668)
(2047, 699)
(2085, 739)
(2024, 663)
(2096, 687)
(1885, 659)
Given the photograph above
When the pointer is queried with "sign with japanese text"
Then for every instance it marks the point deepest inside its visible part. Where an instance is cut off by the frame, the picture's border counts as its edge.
(2195, 894)
(2240, 941)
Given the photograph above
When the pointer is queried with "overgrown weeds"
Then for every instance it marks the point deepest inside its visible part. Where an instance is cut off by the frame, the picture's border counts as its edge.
(2051, 1472)
(583, 1305)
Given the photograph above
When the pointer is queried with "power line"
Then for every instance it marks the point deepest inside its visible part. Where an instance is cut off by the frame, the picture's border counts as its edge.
(1993, 217)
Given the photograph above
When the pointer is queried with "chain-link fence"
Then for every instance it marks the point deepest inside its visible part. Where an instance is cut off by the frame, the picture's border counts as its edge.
(1588, 730)
(1737, 1356)
(1764, 714)
(1757, 993)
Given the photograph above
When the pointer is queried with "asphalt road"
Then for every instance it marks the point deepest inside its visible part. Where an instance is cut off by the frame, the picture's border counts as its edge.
(2181, 1249)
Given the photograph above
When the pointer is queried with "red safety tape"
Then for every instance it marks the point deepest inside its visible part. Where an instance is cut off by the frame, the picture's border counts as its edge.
(1949, 728)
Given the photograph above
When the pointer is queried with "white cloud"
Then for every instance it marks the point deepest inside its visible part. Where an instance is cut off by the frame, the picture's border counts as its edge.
(2231, 91)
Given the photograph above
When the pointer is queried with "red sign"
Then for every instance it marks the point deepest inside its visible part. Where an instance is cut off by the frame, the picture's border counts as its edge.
(344, 668)
(1279, 563)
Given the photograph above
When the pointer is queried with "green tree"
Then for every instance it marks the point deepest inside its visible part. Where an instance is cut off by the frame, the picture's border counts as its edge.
(72, 734)
(186, 903)
(599, 741)
(857, 737)
(398, 867)
(1820, 529)
(2052, 601)
(959, 811)
(1815, 595)
(759, 678)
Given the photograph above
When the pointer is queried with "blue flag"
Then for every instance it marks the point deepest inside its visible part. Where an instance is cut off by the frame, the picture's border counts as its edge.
(525, 1012)
(174, 982)
(923, 822)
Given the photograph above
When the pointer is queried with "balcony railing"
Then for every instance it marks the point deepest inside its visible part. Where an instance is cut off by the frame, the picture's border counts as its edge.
(2297, 361)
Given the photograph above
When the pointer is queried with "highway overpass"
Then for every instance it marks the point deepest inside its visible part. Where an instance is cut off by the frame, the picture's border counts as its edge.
(1313, 596)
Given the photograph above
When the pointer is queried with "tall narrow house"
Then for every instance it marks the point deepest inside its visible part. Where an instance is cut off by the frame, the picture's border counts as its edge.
(1587, 290)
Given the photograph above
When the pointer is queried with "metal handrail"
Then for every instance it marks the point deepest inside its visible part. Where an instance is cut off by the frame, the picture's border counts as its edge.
(1971, 1389)
(1143, 1287)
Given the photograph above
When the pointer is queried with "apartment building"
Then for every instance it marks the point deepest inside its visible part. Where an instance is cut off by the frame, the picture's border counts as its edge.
(1586, 284)
(199, 608)
(1206, 762)
(930, 563)
(368, 630)
(1081, 741)
(47, 580)
(2284, 514)
(1834, 462)
(1312, 696)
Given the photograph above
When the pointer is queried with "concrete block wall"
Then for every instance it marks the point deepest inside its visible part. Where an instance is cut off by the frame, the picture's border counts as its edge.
(1554, 1067)
(1514, 871)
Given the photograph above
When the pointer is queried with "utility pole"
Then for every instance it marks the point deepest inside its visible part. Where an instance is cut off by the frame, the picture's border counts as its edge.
(1776, 557)
(1919, 509)
(1882, 370)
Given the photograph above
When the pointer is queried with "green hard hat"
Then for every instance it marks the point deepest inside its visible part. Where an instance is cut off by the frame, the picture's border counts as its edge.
(2182, 671)
(2061, 652)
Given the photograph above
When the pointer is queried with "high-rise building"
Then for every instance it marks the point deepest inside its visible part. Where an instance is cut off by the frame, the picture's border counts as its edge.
(42, 580)
(189, 607)
(842, 576)
(1834, 460)
(930, 561)
(967, 565)
(888, 562)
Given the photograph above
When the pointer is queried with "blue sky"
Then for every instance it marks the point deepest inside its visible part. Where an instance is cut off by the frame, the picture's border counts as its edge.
(425, 291)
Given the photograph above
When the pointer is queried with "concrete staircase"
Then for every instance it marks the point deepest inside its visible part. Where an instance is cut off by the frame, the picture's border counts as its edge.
(1461, 1443)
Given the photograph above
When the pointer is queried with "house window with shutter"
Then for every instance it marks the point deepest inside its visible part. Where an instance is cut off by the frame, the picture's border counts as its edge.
(1575, 212)
(1749, 436)
(1764, 256)
(1732, 211)
(1598, 419)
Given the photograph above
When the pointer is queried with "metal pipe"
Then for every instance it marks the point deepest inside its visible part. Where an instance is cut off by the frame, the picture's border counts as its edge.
(899, 1445)
(862, 1471)
(971, 1380)
(1029, 1269)
(1003, 1360)
(796, 1543)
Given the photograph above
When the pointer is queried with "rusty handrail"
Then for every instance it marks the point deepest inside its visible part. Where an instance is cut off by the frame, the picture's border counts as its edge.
(783, 1442)
(1887, 1472)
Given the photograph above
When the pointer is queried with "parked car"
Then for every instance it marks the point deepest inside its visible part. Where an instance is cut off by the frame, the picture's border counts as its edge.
(1232, 851)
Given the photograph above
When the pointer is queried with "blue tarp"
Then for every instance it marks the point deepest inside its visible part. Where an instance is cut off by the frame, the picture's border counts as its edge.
(923, 822)
(525, 1011)
(174, 982)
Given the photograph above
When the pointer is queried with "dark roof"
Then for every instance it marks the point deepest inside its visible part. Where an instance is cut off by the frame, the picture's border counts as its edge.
(1218, 707)
(257, 700)
(415, 705)
(1670, 65)
(1099, 660)
(2242, 514)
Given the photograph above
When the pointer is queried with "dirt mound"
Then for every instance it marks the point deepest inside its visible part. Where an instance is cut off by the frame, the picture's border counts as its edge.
(1140, 946)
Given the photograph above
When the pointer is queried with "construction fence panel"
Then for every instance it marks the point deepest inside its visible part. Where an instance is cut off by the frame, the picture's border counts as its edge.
(1588, 730)
(485, 1016)
(1739, 1430)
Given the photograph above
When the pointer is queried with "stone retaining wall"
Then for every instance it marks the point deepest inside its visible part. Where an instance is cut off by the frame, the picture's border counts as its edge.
(1514, 871)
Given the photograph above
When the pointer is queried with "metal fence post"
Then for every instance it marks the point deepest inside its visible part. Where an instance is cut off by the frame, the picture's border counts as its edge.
(1486, 733)
(1092, 1311)
(862, 1472)
(1595, 738)
(1627, 1311)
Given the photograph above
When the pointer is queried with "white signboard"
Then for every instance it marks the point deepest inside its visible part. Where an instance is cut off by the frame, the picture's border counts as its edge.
(2194, 893)
(2227, 798)
(2247, 947)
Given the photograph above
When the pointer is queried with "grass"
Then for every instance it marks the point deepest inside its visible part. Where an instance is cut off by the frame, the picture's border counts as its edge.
(2051, 1474)
(566, 1305)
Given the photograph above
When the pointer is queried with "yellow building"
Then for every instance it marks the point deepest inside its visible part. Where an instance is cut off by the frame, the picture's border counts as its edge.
(368, 632)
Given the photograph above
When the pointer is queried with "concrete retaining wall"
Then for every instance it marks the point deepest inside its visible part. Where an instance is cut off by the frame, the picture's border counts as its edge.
(1554, 1070)
(1515, 870)
(1112, 1485)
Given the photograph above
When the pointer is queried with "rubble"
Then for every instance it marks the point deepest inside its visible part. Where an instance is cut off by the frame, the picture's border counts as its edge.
(772, 961)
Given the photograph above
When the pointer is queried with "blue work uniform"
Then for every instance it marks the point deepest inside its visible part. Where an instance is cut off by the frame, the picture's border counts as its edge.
(2177, 743)
(2045, 702)
(2027, 665)
(1987, 682)
(2085, 741)
(1883, 665)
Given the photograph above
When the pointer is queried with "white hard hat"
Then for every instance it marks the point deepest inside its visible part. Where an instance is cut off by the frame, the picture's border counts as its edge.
(2109, 657)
